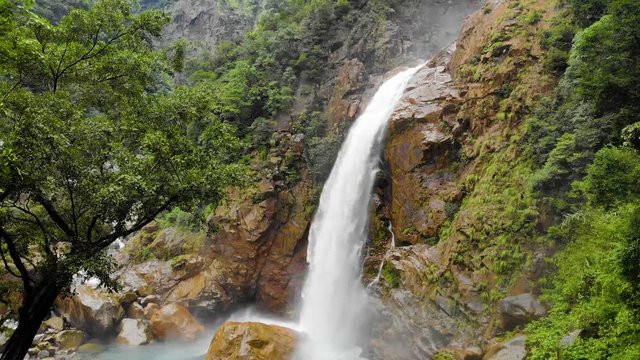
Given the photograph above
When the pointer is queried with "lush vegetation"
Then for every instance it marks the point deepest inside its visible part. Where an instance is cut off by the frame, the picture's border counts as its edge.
(94, 144)
(585, 142)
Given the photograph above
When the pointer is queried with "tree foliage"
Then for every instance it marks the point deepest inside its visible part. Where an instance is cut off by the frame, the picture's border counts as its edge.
(90, 150)
(584, 141)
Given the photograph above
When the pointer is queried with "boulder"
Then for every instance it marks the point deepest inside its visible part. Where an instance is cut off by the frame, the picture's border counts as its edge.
(55, 323)
(174, 320)
(133, 332)
(150, 309)
(135, 311)
(256, 341)
(70, 339)
(519, 310)
(93, 310)
(514, 349)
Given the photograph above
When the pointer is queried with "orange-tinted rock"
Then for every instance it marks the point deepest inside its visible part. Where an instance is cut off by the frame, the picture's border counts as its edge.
(174, 321)
(255, 341)
(418, 149)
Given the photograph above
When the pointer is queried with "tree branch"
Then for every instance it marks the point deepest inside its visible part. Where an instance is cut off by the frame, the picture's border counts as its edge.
(6, 264)
(107, 240)
(92, 225)
(15, 257)
(53, 214)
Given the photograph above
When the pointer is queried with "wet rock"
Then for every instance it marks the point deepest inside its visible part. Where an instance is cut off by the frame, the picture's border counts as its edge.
(519, 310)
(514, 349)
(43, 354)
(174, 320)
(134, 332)
(135, 311)
(150, 309)
(256, 341)
(92, 310)
(420, 149)
(55, 323)
(70, 339)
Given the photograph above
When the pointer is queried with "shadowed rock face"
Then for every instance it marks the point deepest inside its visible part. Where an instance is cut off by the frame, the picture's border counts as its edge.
(207, 22)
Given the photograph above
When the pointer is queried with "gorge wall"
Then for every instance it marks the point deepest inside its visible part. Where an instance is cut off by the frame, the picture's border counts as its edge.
(462, 258)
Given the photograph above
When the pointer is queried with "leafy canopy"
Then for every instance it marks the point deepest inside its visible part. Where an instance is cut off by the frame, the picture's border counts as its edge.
(90, 148)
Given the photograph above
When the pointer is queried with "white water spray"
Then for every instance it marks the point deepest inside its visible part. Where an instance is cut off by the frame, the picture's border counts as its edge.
(334, 301)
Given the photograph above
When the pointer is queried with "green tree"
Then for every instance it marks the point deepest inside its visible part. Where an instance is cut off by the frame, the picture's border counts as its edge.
(586, 12)
(88, 153)
(605, 60)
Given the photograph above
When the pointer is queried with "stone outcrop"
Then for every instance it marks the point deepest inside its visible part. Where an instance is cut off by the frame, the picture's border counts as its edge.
(519, 310)
(256, 341)
(421, 147)
(92, 310)
(134, 332)
(70, 339)
(174, 321)
(441, 290)
(514, 349)
(207, 23)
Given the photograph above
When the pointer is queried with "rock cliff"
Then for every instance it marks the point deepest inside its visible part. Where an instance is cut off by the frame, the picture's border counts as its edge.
(449, 193)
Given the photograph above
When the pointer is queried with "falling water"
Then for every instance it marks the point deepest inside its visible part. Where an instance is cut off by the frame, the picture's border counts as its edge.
(376, 280)
(334, 301)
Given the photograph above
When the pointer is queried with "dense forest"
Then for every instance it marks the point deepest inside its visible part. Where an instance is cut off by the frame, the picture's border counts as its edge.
(109, 132)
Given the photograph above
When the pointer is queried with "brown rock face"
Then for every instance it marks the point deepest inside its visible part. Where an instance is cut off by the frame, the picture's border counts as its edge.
(92, 310)
(174, 320)
(421, 145)
(255, 341)
(259, 243)
(445, 197)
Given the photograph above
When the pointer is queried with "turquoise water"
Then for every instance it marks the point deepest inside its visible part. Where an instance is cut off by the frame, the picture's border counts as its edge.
(176, 350)
(159, 351)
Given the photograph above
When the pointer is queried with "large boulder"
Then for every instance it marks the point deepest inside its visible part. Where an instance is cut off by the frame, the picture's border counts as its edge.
(519, 310)
(93, 310)
(134, 332)
(70, 339)
(55, 323)
(255, 341)
(514, 349)
(174, 320)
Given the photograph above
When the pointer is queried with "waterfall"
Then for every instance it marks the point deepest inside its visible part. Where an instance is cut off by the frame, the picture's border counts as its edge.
(376, 280)
(334, 301)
